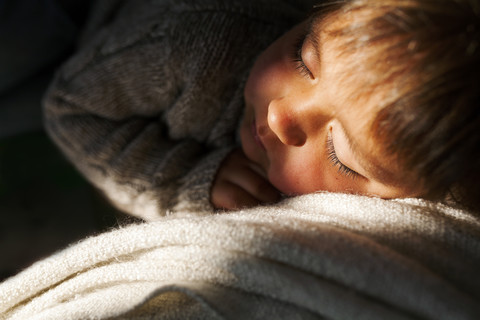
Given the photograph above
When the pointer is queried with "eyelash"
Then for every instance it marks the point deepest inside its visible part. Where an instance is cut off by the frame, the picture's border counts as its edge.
(297, 57)
(332, 156)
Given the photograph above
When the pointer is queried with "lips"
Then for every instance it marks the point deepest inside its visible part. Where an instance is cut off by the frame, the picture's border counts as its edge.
(255, 135)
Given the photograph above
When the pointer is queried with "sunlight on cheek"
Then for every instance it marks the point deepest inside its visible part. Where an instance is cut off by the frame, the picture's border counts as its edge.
(286, 176)
(300, 176)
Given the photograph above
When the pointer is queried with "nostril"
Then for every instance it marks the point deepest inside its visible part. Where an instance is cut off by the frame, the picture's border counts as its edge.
(286, 128)
(298, 139)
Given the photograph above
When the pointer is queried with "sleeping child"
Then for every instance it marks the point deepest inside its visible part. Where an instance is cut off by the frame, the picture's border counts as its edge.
(193, 106)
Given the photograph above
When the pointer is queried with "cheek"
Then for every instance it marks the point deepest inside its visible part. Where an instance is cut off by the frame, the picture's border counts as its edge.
(298, 173)
(305, 172)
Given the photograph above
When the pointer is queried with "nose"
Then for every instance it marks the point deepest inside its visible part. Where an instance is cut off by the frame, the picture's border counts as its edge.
(287, 122)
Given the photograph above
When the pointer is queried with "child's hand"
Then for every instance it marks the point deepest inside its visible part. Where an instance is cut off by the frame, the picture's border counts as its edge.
(238, 184)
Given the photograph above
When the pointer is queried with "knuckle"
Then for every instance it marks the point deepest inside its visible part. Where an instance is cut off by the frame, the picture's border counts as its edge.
(224, 196)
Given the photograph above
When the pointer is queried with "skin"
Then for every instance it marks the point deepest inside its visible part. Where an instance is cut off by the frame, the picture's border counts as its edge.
(294, 116)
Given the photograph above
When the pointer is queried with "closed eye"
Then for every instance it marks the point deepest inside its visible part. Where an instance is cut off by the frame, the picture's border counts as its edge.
(297, 57)
(332, 157)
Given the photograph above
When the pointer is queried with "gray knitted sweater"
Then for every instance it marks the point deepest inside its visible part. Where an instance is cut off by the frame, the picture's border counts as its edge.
(149, 106)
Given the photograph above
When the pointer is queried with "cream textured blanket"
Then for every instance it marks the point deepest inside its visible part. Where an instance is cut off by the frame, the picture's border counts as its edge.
(322, 256)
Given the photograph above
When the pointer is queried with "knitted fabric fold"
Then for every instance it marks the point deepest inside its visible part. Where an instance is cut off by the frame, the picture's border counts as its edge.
(320, 256)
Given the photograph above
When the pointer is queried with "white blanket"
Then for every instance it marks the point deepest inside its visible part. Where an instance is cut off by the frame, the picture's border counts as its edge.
(322, 256)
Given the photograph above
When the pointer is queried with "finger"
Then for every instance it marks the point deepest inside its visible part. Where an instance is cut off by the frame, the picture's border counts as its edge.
(248, 175)
(242, 158)
(229, 196)
(254, 184)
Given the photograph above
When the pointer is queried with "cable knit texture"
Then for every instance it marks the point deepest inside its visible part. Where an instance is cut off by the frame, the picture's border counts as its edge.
(320, 256)
(149, 106)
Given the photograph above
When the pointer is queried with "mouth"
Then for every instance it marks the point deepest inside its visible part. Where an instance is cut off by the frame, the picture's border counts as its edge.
(255, 135)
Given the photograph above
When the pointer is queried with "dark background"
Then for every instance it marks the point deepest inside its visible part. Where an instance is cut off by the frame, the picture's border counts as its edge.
(45, 204)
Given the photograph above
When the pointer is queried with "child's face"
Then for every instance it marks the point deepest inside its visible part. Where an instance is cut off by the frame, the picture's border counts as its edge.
(301, 129)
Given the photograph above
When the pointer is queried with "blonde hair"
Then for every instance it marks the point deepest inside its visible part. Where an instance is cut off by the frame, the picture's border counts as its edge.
(426, 53)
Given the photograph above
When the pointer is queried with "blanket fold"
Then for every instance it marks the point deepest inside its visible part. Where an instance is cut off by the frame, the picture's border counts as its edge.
(320, 256)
